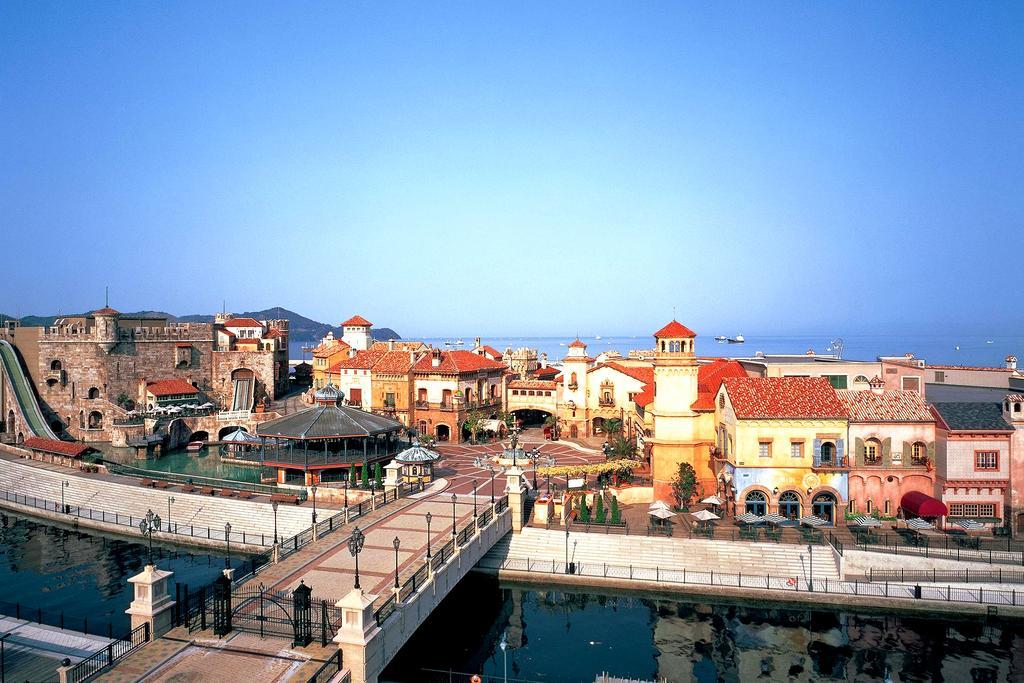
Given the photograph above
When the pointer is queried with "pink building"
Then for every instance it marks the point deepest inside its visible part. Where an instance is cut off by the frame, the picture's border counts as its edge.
(892, 448)
(904, 373)
(973, 460)
(1013, 414)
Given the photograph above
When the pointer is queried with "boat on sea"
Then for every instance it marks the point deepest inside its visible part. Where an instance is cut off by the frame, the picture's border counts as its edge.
(597, 337)
(721, 338)
(195, 446)
(738, 339)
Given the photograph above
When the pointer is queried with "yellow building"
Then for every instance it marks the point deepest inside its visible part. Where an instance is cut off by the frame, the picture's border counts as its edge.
(781, 446)
(327, 353)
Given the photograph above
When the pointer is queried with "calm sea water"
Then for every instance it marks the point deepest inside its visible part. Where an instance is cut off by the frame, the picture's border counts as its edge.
(948, 349)
(556, 636)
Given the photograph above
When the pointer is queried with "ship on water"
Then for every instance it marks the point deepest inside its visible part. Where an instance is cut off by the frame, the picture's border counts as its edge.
(722, 339)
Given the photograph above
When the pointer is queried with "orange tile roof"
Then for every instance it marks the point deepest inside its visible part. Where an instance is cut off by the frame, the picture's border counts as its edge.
(243, 322)
(357, 321)
(107, 310)
(459, 361)
(328, 348)
(547, 372)
(493, 351)
(675, 329)
(170, 387)
(393, 363)
(892, 405)
(532, 384)
(784, 397)
(363, 360)
(274, 333)
(709, 380)
(73, 450)
(642, 373)
(577, 344)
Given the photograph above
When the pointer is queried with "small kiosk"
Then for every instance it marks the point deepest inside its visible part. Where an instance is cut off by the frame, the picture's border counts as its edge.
(417, 464)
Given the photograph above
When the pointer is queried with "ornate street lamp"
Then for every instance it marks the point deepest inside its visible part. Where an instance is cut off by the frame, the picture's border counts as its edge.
(149, 524)
(170, 500)
(227, 540)
(273, 505)
(474, 499)
(454, 498)
(346, 490)
(313, 489)
(63, 485)
(355, 546)
(429, 517)
(397, 542)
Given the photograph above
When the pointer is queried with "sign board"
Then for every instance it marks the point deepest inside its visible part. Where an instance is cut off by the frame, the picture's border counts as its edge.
(577, 483)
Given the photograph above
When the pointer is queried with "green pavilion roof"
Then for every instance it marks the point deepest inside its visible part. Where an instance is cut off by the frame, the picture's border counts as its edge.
(328, 422)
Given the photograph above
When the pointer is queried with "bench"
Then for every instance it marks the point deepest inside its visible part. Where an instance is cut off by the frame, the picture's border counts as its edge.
(161, 485)
(244, 495)
(208, 491)
(284, 498)
(146, 482)
(227, 493)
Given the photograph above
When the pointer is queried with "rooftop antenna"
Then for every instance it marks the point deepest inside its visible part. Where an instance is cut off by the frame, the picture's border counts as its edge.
(106, 296)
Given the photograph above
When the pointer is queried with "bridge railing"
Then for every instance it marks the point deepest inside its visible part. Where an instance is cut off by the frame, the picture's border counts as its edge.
(108, 656)
(194, 480)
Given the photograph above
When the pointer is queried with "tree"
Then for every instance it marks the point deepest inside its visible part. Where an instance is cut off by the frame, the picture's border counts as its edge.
(352, 478)
(366, 476)
(584, 514)
(616, 515)
(685, 485)
(613, 427)
(599, 509)
(122, 398)
(378, 476)
(472, 424)
(620, 447)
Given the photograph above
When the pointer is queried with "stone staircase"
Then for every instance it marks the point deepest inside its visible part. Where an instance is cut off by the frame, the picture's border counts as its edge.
(668, 553)
(123, 496)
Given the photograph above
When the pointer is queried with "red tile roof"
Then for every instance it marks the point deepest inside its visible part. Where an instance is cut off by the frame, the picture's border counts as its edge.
(492, 351)
(547, 373)
(227, 332)
(363, 360)
(532, 384)
(577, 344)
(643, 373)
(170, 387)
(674, 329)
(243, 322)
(393, 363)
(784, 397)
(357, 321)
(58, 447)
(459, 361)
(274, 333)
(105, 311)
(644, 398)
(709, 380)
(327, 348)
(889, 406)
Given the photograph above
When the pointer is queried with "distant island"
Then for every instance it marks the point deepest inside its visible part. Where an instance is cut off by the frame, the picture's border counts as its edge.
(300, 328)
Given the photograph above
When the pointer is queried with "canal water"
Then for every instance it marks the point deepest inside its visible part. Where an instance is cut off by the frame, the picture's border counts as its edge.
(205, 463)
(558, 635)
(553, 634)
(84, 575)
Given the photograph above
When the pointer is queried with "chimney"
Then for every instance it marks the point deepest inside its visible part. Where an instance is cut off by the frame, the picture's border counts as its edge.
(1011, 362)
(435, 358)
(477, 342)
(543, 360)
(877, 385)
(810, 352)
(391, 344)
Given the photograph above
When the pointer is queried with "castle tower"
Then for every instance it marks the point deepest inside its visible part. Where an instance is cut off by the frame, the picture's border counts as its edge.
(676, 435)
(356, 333)
(574, 390)
(106, 328)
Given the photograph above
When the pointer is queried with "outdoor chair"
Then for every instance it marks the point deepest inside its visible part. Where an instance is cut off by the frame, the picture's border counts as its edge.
(748, 533)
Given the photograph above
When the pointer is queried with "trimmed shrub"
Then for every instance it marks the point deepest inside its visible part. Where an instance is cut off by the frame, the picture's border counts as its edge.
(352, 478)
(616, 515)
(584, 515)
(366, 476)
(378, 475)
(599, 509)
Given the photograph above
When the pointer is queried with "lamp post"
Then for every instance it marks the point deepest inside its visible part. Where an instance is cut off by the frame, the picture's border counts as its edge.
(63, 485)
(227, 541)
(355, 546)
(3, 658)
(474, 499)
(273, 506)
(567, 548)
(454, 498)
(429, 517)
(397, 542)
(170, 501)
(493, 472)
(149, 524)
(346, 491)
(313, 489)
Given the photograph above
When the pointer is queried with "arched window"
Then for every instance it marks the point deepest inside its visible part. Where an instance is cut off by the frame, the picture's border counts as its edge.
(95, 420)
(860, 379)
(94, 393)
(824, 506)
(789, 505)
(55, 365)
(872, 452)
(828, 453)
(918, 453)
(756, 502)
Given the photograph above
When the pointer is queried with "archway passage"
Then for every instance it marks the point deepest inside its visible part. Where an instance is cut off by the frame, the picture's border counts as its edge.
(531, 417)
(789, 505)
(178, 434)
(200, 436)
(10, 422)
(95, 420)
(229, 430)
(597, 425)
(824, 506)
(94, 393)
(756, 503)
(444, 432)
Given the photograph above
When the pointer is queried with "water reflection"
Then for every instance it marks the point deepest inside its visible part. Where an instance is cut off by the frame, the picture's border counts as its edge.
(84, 574)
(555, 635)
(208, 462)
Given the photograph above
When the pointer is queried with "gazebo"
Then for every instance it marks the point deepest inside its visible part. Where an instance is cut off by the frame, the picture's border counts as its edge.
(323, 441)
(417, 463)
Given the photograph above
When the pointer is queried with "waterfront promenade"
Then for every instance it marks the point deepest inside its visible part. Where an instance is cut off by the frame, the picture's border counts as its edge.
(32, 651)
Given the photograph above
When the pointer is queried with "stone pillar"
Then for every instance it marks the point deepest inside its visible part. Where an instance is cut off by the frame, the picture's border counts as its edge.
(152, 603)
(392, 476)
(516, 491)
(362, 650)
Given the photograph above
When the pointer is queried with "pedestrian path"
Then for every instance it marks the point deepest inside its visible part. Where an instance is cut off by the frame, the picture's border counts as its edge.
(32, 652)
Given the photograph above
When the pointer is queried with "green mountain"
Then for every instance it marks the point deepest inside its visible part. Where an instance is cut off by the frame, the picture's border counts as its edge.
(300, 328)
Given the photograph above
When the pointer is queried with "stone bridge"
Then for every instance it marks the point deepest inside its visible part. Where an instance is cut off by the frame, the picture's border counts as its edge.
(179, 431)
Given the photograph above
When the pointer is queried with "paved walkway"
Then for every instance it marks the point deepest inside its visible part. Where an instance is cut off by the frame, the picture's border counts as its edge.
(32, 652)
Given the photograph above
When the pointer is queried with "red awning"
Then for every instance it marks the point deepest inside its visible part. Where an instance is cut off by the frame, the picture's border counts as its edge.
(917, 504)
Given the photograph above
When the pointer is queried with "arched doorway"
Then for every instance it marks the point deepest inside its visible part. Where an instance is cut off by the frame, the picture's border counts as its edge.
(422, 429)
(10, 422)
(94, 393)
(444, 432)
(95, 420)
(229, 430)
(57, 426)
(756, 503)
(824, 505)
(243, 382)
(789, 505)
(178, 434)
(200, 436)
(598, 425)
(573, 432)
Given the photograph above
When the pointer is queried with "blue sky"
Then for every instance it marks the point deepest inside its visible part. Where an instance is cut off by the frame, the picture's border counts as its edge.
(531, 168)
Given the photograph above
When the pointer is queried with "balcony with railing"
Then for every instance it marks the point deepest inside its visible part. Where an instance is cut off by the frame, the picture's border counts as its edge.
(606, 402)
(827, 463)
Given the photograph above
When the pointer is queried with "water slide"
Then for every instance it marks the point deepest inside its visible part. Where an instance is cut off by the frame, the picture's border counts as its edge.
(23, 392)
(241, 400)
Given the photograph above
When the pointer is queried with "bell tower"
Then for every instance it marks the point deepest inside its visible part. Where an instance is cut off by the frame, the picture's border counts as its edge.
(677, 435)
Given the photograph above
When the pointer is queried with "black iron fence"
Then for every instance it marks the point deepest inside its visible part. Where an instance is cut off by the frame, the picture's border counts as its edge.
(328, 669)
(945, 575)
(108, 656)
(791, 584)
(899, 544)
(59, 618)
(194, 480)
(414, 582)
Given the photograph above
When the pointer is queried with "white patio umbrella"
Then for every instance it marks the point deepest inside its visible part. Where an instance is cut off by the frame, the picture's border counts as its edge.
(662, 514)
(773, 518)
(659, 505)
(705, 515)
(713, 500)
(918, 524)
(867, 521)
(749, 518)
(812, 520)
(969, 524)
